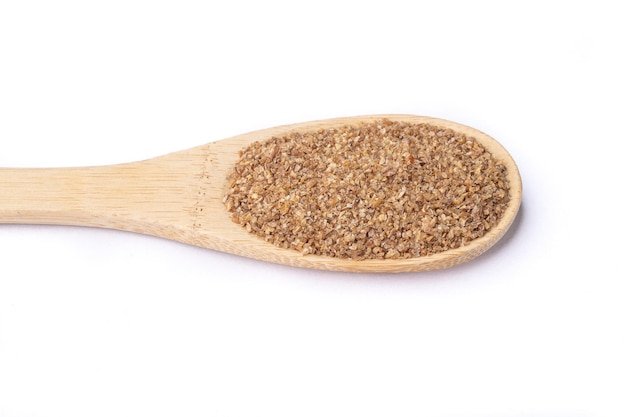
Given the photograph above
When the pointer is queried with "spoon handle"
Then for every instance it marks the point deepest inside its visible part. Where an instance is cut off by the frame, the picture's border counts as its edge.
(139, 196)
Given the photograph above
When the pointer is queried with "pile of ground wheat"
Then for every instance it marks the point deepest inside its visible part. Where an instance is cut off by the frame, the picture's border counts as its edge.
(378, 190)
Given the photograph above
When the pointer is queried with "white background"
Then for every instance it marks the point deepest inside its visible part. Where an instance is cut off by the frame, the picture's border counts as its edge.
(108, 323)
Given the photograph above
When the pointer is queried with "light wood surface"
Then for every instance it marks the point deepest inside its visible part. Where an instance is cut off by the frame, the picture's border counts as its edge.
(179, 196)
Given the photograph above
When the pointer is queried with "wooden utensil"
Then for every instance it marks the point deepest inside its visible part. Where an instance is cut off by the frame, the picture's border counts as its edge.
(179, 196)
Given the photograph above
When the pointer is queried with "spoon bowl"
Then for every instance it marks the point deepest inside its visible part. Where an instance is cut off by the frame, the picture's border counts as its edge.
(179, 196)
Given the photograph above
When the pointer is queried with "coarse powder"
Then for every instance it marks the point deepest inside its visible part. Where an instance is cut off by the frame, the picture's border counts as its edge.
(379, 190)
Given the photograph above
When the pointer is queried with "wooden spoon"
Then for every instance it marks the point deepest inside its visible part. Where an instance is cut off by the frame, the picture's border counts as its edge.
(179, 196)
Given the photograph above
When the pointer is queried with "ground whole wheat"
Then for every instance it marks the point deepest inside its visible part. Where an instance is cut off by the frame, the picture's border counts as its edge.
(379, 190)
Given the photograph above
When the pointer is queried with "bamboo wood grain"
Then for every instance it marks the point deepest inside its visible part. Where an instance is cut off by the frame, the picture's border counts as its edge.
(179, 197)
